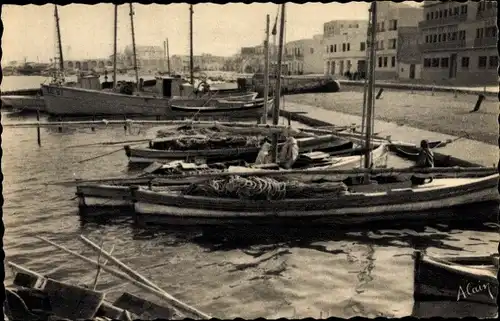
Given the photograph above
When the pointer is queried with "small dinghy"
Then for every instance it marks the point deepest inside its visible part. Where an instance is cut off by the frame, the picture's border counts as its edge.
(457, 279)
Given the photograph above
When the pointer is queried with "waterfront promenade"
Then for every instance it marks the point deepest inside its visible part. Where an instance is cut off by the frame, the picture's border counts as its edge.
(471, 150)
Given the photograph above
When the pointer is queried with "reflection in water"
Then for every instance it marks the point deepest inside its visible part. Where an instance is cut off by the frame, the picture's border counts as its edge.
(228, 273)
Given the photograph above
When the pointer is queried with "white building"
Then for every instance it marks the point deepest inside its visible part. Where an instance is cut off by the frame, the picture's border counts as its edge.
(345, 48)
(304, 56)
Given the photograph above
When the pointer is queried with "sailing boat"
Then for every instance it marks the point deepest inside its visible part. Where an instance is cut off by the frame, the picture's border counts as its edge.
(242, 199)
(175, 99)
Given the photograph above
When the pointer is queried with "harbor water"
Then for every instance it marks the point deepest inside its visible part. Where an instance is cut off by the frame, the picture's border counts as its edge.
(288, 273)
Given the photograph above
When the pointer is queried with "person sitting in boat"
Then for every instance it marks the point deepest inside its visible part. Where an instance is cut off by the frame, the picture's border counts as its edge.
(264, 156)
(425, 160)
(290, 151)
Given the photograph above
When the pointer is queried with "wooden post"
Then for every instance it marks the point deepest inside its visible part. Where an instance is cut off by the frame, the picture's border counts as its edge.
(277, 91)
(371, 82)
(114, 46)
(93, 119)
(266, 72)
(133, 45)
(39, 140)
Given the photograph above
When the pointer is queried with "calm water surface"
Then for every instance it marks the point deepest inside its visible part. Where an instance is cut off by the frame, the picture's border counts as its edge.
(291, 274)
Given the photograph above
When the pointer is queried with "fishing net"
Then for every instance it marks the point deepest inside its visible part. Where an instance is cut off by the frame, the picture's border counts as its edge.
(265, 188)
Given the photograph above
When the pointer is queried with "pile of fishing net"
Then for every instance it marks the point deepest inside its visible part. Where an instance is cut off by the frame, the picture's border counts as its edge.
(187, 130)
(265, 188)
(202, 142)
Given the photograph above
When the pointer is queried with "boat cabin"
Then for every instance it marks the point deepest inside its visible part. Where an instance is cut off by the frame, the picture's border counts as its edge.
(169, 87)
(89, 82)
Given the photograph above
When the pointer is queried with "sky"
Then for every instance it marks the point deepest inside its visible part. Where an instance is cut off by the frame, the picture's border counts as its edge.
(87, 30)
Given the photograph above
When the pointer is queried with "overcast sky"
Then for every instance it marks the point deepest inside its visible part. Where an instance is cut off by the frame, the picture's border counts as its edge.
(87, 31)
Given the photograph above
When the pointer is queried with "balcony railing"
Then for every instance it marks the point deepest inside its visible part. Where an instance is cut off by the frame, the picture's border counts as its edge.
(437, 46)
(489, 13)
(442, 21)
(485, 42)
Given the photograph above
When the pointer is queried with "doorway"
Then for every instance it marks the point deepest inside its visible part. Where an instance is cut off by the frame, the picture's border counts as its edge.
(412, 71)
(453, 66)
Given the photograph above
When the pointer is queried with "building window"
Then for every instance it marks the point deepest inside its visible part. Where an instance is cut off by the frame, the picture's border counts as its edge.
(450, 12)
(362, 46)
(479, 33)
(385, 61)
(393, 24)
(435, 62)
(454, 36)
(393, 61)
(461, 35)
(381, 45)
(427, 62)
(427, 39)
(343, 47)
(445, 13)
(382, 28)
(481, 62)
(392, 43)
(463, 9)
(432, 15)
(348, 47)
(434, 38)
(380, 62)
(444, 62)
(490, 32)
(440, 14)
(465, 62)
(439, 38)
(493, 62)
(456, 11)
(335, 48)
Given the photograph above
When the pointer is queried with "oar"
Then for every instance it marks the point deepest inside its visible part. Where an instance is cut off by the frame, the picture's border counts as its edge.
(162, 295)
(105, 154)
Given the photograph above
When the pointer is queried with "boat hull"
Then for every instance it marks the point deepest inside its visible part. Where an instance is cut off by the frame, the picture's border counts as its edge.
(71, 101)
(419, 203)
(445, 280)
(24, 103)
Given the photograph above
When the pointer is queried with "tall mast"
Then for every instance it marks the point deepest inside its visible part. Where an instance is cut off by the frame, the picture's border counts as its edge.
(277, 92)
(191, 43)
(168, 58)
(133, 44)
(266, 72)
(114, 45)
(59, 43)
(371, 82)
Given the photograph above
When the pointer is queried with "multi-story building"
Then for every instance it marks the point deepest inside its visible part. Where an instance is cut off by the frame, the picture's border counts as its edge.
(148, 57)
(344, 47)
(459, 42)
(397, 45)
(304, 56)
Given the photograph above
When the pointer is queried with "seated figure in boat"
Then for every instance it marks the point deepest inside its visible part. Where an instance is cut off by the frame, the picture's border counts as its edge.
(425, 160)
(264, 156)
(289, 152)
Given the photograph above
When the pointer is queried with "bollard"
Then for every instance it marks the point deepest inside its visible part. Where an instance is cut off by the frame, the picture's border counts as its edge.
(39, 140)
(455, 93)
(379, 93)
(93, 119)
(289, 119)
(411, 90)
(125, 125)
(479, 101)
(432, 91)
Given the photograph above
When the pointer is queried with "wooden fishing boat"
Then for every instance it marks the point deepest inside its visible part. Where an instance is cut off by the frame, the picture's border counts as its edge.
(441, 199)
(150, 155)
(457, 279)
(36, 297)
(223, 108)
(24, 103)
(65, 100)
(297, 84)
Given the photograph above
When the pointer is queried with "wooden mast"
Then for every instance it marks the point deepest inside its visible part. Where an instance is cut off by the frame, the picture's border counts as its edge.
(191, 67)
(59, 43)
(114, 45)
(371, 81)
(168, 58)
(266, 72)
(277, 92)
(133, 45)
